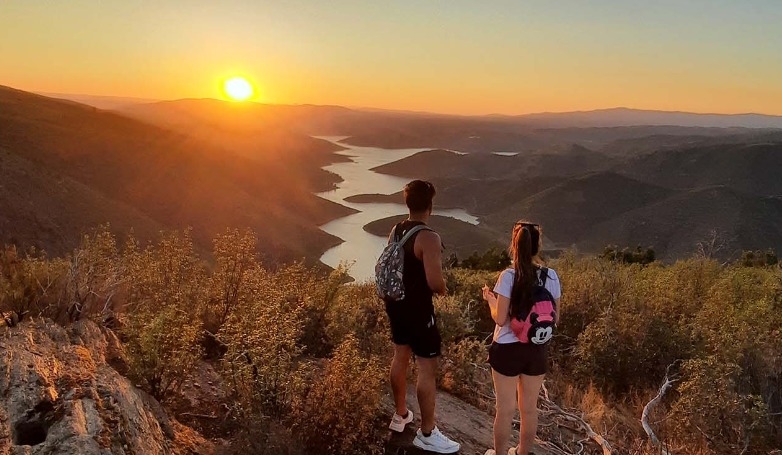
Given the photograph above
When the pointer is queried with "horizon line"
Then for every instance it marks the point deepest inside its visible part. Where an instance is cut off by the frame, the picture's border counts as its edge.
(143, 100)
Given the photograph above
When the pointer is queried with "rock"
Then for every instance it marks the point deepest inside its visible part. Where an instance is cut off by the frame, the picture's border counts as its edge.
(462, 422)
(58, 395)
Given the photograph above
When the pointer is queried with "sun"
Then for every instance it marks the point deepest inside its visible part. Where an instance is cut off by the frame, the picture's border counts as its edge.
(238, 89)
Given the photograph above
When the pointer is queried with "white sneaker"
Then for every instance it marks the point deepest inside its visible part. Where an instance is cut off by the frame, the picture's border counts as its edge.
(512, 451)
(398, 422)
(435, 442)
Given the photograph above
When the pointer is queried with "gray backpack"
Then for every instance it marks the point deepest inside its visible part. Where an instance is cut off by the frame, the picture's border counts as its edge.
(390, 266)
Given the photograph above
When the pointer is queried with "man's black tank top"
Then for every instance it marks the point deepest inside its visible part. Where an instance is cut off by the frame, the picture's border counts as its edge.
(417, 292)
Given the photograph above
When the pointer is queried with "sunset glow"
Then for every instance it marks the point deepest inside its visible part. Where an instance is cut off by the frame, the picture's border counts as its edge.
(238, 89)
(508, 57)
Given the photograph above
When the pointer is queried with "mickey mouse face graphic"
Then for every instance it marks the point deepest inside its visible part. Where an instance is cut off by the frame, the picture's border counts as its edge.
(541, 334)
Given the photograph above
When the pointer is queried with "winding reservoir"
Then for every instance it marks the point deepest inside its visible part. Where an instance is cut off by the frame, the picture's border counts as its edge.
(359, 247)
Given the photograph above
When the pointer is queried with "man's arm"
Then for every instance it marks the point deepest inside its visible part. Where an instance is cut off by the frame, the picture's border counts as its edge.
(429, 245)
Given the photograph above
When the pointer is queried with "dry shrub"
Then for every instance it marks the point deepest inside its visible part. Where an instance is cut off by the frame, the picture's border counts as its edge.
(161, 328)
(358, 312)
(261, 338)
(453, 318)
(338, 411)
(231, 281)
(465, 372)
(94, 275)
(30, 284)
(465, 287)
(712, 406)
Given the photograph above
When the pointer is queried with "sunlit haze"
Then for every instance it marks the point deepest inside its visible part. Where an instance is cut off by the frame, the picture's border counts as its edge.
(462, 57)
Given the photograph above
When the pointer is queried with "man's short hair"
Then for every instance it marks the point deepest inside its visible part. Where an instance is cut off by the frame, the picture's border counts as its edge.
(419, 195)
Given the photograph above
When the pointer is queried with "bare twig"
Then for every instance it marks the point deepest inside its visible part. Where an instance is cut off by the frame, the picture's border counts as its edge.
(557, 411)
(668, 382)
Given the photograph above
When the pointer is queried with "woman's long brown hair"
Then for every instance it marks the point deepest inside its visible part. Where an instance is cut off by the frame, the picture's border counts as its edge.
(524, 247)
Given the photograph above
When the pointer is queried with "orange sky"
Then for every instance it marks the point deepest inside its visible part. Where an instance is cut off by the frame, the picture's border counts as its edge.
(456, 57)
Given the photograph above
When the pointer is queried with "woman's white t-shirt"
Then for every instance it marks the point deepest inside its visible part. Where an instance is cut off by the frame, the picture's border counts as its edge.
(503, 334)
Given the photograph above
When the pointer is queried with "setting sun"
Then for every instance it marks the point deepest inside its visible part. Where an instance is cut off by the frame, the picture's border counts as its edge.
(238, 89)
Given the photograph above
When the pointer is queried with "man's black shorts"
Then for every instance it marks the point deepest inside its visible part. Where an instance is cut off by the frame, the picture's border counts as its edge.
(411, 327)
(514, 359)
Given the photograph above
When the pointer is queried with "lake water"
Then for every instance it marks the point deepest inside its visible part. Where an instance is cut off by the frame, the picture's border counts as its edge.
(360, 248)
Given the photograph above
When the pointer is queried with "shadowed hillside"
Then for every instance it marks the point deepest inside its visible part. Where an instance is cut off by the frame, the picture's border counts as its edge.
(49, 211)
(161, 177)
(675, 225)
(752, 168)
(568, 209)
(670, 196)
(457, 236)
(559, 162)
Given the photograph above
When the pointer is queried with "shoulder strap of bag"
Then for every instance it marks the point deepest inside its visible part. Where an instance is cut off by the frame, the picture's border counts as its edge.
(412, 231)
(392, 235)
(543, 276)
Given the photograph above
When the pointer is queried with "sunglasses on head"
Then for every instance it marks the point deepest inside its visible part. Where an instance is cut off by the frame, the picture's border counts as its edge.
(525, 224)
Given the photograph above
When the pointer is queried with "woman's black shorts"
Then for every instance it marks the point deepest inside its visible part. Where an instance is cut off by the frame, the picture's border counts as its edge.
(514, 359)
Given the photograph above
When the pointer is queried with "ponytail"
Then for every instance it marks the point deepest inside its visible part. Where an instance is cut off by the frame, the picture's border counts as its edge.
(525, 246)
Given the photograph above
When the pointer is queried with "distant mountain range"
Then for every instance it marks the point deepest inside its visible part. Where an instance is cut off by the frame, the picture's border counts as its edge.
(623, 176)
(99, 101)
(622, 116)
(611, 117)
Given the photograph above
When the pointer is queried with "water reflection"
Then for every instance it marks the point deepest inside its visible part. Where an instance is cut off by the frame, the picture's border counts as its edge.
(360, 247)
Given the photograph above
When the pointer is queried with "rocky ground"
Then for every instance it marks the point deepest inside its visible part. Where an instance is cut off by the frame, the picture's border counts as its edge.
(59, 395)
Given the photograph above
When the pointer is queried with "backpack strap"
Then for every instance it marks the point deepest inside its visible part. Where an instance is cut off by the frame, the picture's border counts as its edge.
(543, 276)
(412, 231)
(392, 234)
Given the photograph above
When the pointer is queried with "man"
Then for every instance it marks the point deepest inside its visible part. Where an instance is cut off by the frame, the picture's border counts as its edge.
(413, 325)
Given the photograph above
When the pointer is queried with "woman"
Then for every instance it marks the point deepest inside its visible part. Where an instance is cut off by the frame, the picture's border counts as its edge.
(518, 367)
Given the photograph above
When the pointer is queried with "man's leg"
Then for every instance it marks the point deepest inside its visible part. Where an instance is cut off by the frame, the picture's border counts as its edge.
(426, 390)
(399, 366)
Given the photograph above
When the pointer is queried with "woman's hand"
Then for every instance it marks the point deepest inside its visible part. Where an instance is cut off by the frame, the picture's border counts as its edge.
(489, 296)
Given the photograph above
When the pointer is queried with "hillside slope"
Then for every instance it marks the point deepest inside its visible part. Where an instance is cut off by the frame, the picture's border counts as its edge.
(676, 224)
(49, 211)
(171, 178)
(750, 167)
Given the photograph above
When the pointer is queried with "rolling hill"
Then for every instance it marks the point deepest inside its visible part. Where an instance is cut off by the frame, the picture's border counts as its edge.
(592, 178)
(458, 237)
(137, 174)
(751, 168)
(670, 195)
(675, 225)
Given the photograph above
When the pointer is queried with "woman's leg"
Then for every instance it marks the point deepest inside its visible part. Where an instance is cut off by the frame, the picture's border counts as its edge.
(505, 393)
(529, 388)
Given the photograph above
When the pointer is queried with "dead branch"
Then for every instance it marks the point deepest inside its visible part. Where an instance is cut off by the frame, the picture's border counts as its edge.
(668, 382)
(554, 410)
